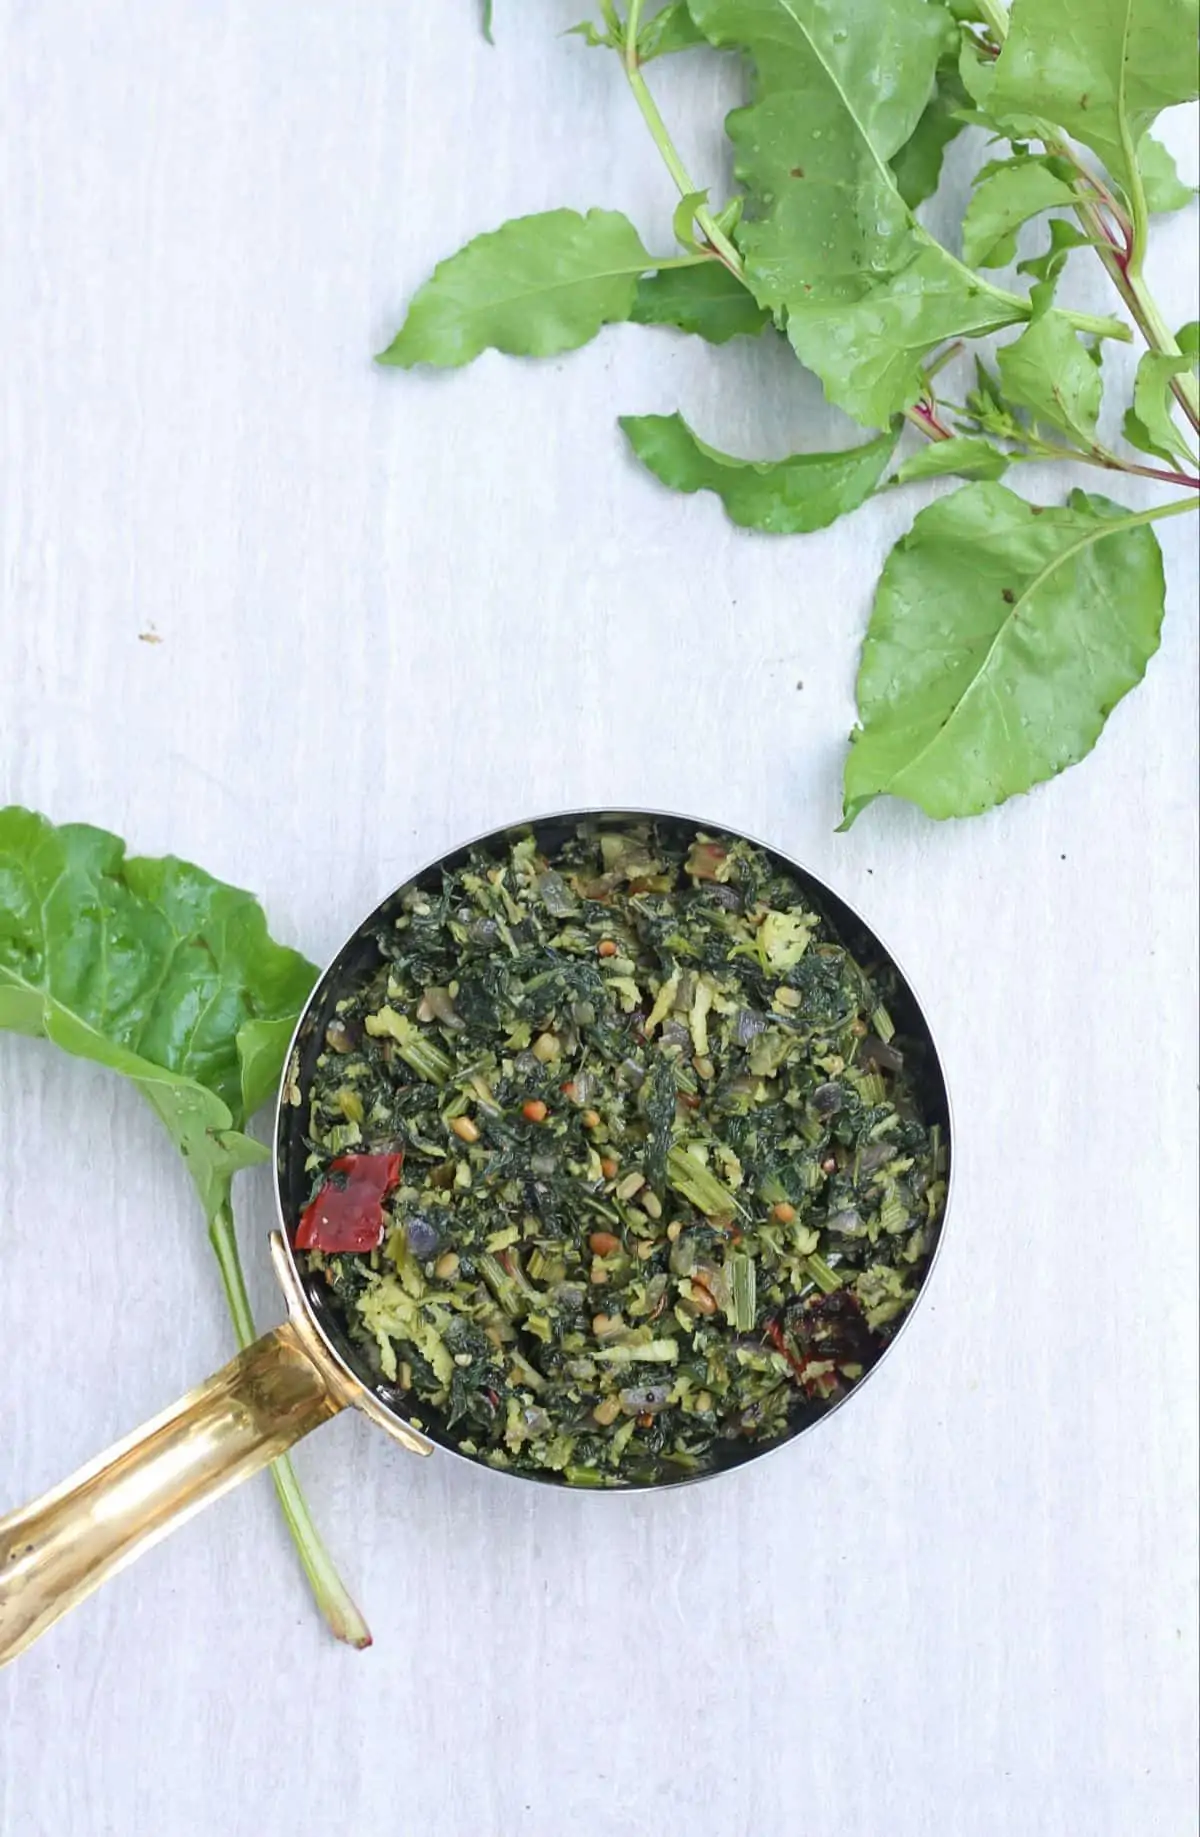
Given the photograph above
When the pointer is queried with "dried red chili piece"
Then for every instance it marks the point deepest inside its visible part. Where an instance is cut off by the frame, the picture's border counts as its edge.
(775, 1335)
(347, 1213)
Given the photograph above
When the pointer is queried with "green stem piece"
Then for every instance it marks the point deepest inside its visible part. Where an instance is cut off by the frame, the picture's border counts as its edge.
(1099, 323)
(699, 260)
(341, 1614)
(1158, 336)
(1178, 507)
(945, 356)
(1112, 462)
(659, 133)
(924, 417)
(1143, 308)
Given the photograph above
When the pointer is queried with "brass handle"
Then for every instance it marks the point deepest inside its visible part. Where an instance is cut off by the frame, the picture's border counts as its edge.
(56, 1551)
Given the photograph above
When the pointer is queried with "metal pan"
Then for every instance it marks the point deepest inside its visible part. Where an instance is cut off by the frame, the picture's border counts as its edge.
(55, 1551)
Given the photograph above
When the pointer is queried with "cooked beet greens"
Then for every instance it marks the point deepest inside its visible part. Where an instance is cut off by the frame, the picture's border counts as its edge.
(665, 1179)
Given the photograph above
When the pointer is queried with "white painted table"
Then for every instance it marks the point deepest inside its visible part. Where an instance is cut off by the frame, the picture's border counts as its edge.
(393, 611)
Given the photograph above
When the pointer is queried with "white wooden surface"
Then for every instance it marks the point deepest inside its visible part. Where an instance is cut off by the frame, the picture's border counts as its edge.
(393, 611)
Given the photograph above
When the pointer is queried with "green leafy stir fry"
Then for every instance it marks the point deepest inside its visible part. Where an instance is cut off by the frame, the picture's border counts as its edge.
(635, 1165)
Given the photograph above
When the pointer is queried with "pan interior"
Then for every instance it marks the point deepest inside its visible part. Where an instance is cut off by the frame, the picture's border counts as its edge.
(360, 957)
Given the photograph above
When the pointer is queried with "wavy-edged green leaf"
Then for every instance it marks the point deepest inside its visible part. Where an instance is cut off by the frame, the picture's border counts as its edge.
(707, 301)
(1101, 69)
(155, 969)
(1046, 268)
(839, 88)
(988, 409)
(728, 218)
(594, 37)
(534, 287)
(1165, 190)
(965, 456)
(262, 1047)
(1188, 339)
(1009, 196)
(1149, 424)
(1052, 373)
(782, 497)
(1002, 636)
(671, 29)
(976, 72)
(869, 352)
(684, 220)
(917, 167)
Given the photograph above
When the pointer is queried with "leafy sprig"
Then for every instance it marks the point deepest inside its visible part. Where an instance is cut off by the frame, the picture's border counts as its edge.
(157, 971)
(848, 115)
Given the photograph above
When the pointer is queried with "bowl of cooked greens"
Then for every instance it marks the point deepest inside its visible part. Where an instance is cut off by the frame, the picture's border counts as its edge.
(612, 1151)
